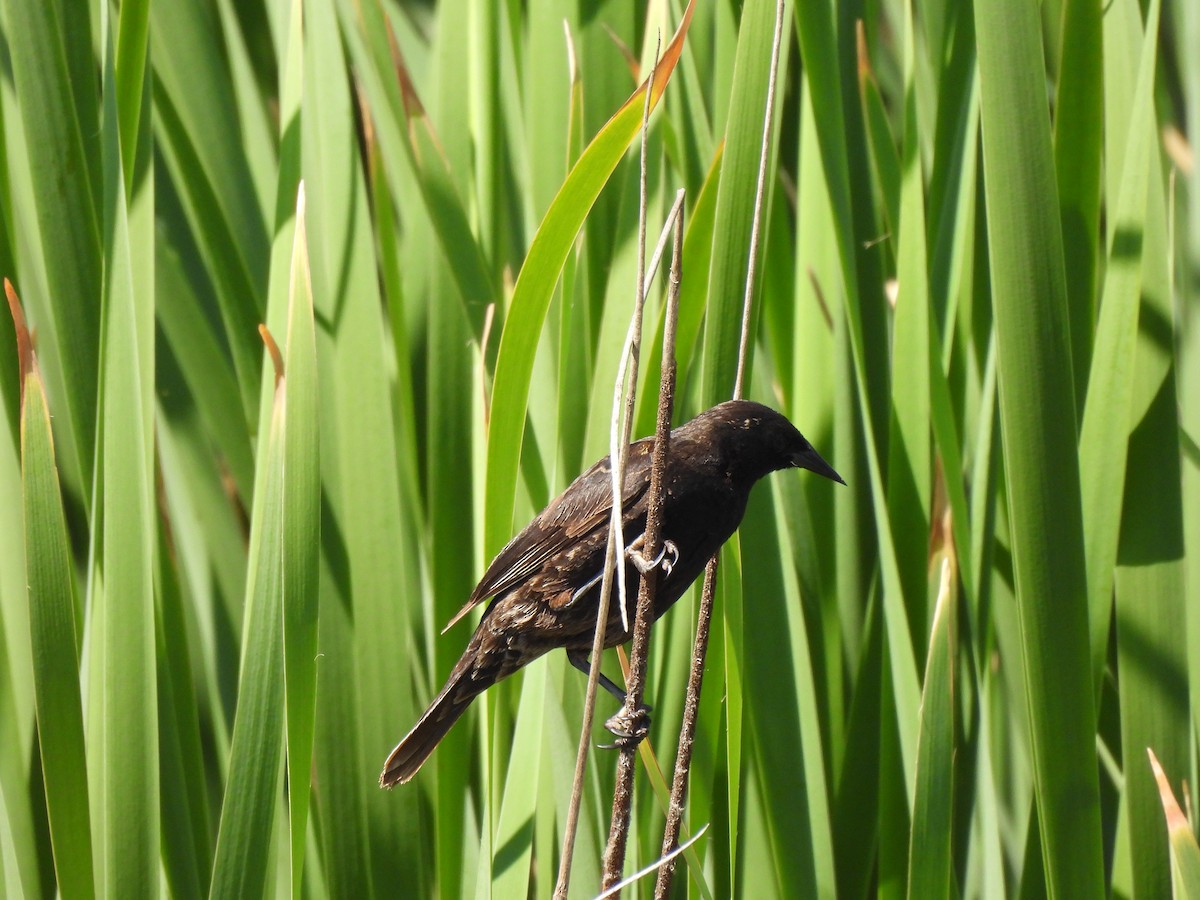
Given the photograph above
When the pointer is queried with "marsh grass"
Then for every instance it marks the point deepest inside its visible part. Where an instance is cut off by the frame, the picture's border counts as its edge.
(1023, 415)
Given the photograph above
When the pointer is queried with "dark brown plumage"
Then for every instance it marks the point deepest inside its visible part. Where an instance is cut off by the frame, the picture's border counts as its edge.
(546, 582)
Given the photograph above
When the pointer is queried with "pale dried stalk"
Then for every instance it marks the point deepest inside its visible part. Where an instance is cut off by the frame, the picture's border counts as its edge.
(618, 449)
(646, 870)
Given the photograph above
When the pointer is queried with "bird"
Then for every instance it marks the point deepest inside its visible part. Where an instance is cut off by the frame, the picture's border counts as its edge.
(545, 583)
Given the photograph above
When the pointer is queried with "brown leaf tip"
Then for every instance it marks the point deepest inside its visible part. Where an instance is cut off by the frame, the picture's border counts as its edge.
(631, 61)
(413, 107)
(273, 349)
(24, 340)
(864, 57)
(1176, 820)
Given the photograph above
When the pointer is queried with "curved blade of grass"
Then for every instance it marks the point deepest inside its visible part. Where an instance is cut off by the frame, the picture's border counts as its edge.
(895, 788)
(247, 816)
(905, 681)
(406, 135)
(1037, 407)
(20, 869)
(547, 97)
(535, 286)
(54, 639)
(200, 139)
(245, 31)
(485, 23)
(730, 582)
(1078, 148)
(693, 292)
(454, 325)
(409, 434)
(842, 139)
(244, 836)
(613, 324)
(210, 378)
(244, 845)
(557, 400)
(126, 667)
(930, 860)
(863, 329)
(1186, 233)
(59, 140)
(186, 823)
(131, 51)
(1153, 652)
(884, 159)
(512, 843)
(781, 703)
(734, 213)
(371, 548)
(810, 402)
(1104, 437)
(952, 190)
(697, 252)
(950, 449)
(910, 452)
(302, 535)
(986, 831)
(857, 798)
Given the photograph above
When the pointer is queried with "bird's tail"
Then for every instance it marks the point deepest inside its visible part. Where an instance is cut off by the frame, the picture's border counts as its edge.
(410, 754)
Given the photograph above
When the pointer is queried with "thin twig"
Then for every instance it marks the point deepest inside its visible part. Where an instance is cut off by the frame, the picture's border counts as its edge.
(618, 450)
(687, 732)
(614, 856)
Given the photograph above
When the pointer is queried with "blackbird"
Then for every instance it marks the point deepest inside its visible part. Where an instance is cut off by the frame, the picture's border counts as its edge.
(546, 582)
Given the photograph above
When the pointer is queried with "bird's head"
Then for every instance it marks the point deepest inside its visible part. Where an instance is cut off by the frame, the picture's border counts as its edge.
(755, 441)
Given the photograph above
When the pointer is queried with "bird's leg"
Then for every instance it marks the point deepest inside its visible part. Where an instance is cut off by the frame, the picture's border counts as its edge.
(630, 726)
(580, 661)
(627, 727)
(634, 553)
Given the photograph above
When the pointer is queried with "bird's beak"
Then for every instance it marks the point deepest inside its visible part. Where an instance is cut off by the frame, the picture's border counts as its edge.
(810, 459)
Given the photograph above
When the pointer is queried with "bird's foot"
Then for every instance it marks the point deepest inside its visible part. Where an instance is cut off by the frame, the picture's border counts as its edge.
(628, 726)
(667, 557)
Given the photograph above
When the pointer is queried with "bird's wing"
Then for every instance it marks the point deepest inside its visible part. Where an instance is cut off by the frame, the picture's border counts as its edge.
(581, 509)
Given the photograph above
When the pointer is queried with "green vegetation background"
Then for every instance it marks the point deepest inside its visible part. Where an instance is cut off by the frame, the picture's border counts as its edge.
(222, 586)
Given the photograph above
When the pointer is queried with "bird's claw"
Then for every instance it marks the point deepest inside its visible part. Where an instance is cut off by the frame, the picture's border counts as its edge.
(667, 557)
(628, 726)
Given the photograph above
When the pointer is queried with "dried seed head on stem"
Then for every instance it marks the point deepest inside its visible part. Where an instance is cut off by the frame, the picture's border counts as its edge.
(614, 856)
(619, 443)
(687, 731)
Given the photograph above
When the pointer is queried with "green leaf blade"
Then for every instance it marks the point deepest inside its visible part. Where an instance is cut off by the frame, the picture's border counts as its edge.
(301, 535)
(930, 868)
(535, 286)
(1038, 416)
(54, 639)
